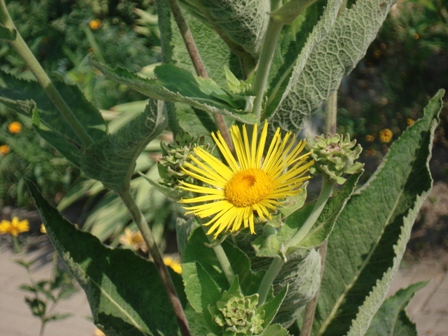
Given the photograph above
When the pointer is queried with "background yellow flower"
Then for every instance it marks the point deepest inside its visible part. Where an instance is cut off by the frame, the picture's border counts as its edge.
(386, 135)
(95, 24)
(15, 127)
(4, 149)
(14, 227)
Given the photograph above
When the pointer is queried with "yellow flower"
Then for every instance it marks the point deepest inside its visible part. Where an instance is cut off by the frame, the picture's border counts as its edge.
(173, 263)
(43, 229)
(133, 239)
(410, 121)
(370, 138)
(95, 24)
(250, 185)
(14, 227)
(15, 127)
(4, 149)
(386, 135)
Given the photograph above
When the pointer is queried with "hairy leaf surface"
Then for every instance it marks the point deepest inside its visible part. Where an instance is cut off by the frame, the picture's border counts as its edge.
(370, 235)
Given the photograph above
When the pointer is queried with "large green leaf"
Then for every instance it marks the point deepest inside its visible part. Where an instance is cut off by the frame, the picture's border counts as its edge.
(391, 319)
(332, 53)
(179, 86)
(29, 99)
(112, 160)
(125, 292)
(296, 43)
(243, 22)
(370, 235)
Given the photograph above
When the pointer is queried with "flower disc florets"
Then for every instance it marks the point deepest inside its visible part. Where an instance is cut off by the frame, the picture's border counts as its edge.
(335, 156)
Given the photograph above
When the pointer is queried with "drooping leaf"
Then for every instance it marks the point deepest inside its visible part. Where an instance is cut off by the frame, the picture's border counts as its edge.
(180, 86)
(370, 235)
(112, 160)
(320, 68)
(124, 291)
(391, 319)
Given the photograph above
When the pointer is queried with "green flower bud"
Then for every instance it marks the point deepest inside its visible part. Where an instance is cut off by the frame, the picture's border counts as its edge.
(238, 314)
(174, 155)
(334, 156)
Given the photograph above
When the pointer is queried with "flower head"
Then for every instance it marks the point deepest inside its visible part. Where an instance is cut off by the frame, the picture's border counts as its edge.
(386, 135)
(14, 227)
(250, 185)
(95, 24)
(15, 127)
(4, 149)
(133, 240)
(335, 156)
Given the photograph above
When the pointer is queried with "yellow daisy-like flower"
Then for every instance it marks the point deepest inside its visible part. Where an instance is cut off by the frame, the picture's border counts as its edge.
(173, 263)
(14, 227)
(15, 127)
(4, 149)
(252, 184)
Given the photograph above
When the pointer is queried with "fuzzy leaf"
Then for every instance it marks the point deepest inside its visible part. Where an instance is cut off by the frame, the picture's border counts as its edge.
(370, 235)
(322, 65)
(125, 292)
(275, 330)
(112, 160)
(180, 86)
(242, 21)
(391, 319)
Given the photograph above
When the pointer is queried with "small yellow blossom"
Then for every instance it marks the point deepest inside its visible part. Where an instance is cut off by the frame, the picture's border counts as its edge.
(4, 149)
(370, 138)
(173, 263)
(386, 135)
(14, 227)
(377, 53)
(95, 24)
(133, 240)
(410, 121)
(43, 229)
(15, 127)
(416, 36)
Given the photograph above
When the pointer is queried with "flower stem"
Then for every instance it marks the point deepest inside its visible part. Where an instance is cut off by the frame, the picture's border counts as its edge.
(264, 65)
(331, 110)
(268, 279)
(222, 259)
(325, 193)
(154, 251)
(23, 50)
(196, 59)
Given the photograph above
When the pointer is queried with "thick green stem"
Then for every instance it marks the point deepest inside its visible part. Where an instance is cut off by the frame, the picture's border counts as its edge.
(264, 65)
(325, 193)
(268, 279)
(154, 251)
(22, 49)
(222, 259)
(331, 110)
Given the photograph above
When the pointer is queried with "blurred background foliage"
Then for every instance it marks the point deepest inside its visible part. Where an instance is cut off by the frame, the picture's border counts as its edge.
(404, 66)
